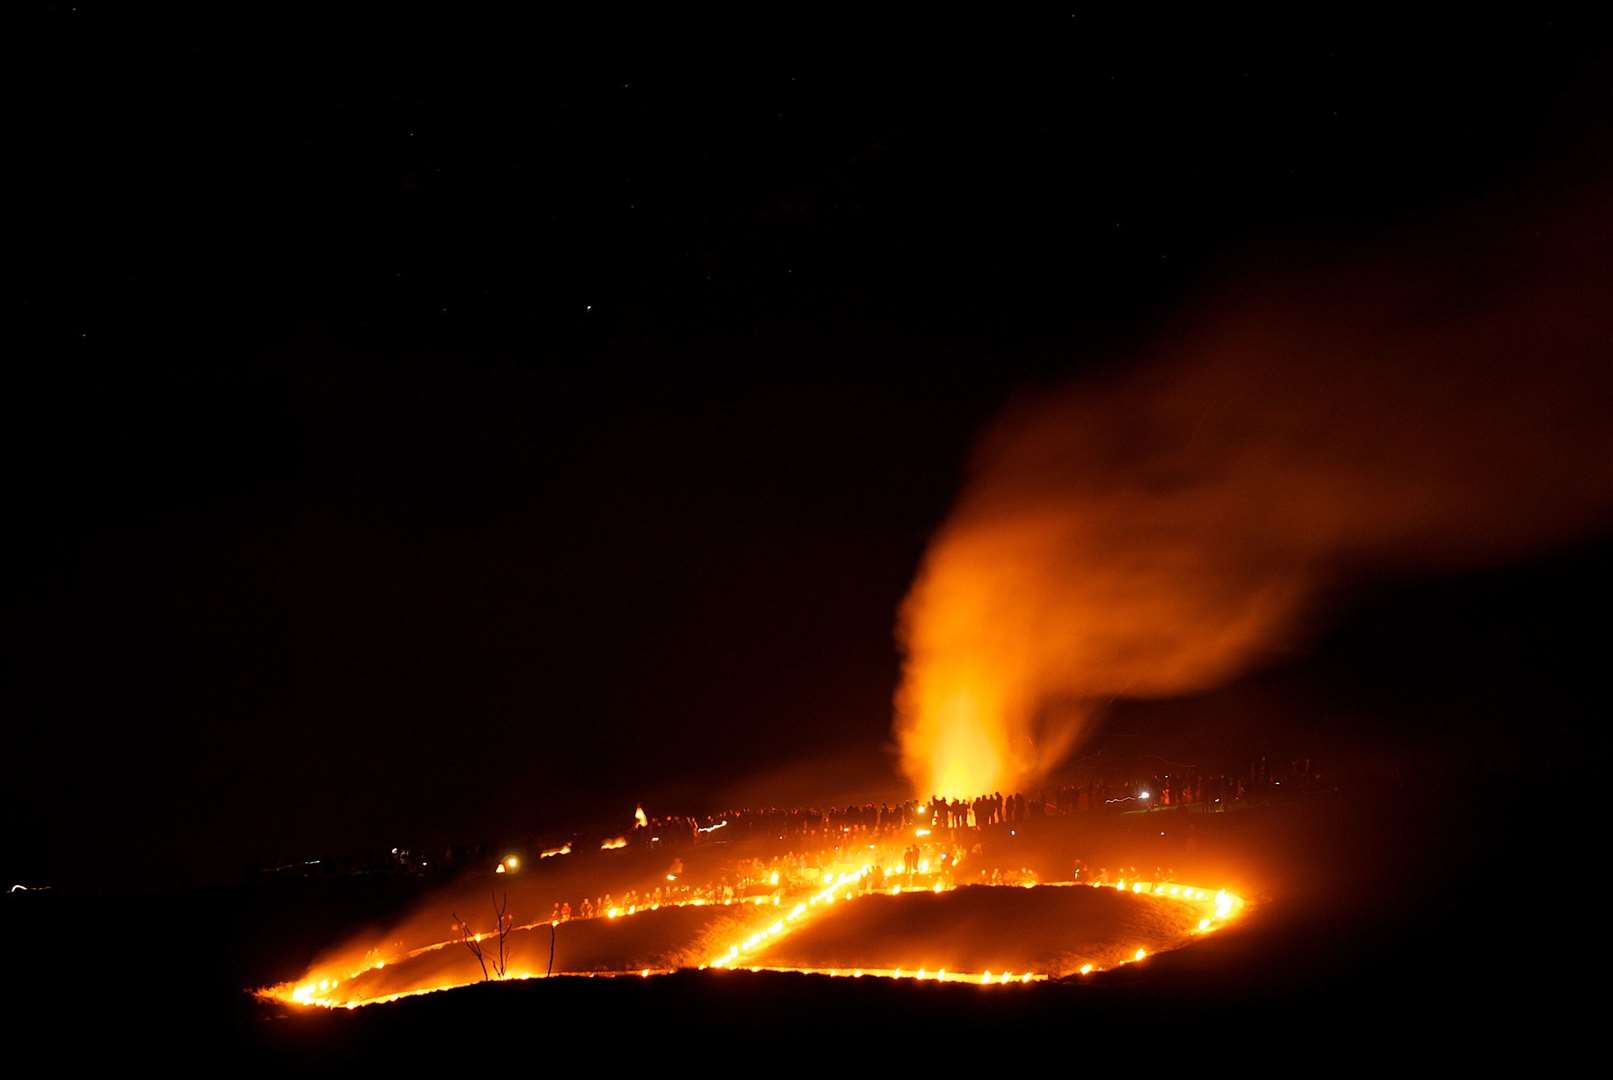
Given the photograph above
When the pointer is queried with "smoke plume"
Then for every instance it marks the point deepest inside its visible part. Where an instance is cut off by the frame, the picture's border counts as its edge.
(1441, 405)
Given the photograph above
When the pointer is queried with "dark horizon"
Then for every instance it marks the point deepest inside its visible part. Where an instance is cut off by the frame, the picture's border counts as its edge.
(427, 442)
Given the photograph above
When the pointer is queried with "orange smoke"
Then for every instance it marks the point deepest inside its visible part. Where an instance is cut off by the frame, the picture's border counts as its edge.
(1158, 534)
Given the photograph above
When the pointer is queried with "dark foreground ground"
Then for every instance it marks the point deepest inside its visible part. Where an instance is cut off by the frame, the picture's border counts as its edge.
(1387, 991)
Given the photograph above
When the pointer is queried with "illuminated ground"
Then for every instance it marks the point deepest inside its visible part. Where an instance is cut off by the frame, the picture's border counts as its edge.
(970, 905)
(1052, 931)
(988, 935)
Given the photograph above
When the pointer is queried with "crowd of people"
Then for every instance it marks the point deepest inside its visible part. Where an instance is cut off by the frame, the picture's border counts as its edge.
(1101, 792)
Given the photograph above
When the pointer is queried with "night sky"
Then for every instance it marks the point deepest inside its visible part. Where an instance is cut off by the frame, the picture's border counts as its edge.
(423, 432)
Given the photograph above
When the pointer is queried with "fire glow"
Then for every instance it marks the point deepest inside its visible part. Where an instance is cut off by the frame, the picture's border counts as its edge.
(335, 988)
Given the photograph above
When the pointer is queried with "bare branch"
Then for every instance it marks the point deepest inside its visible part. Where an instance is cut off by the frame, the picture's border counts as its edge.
(506, 922)
(470, 941)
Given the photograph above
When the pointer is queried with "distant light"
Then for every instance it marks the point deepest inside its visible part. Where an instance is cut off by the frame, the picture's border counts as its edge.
(1142, 794)
(512, 862)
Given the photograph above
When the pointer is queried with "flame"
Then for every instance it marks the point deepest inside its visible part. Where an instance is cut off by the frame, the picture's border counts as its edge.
(549, 853)
(613, 843)
(1225, 906)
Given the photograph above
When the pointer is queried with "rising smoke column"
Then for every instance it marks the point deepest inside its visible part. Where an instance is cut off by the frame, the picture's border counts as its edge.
(1446, 404)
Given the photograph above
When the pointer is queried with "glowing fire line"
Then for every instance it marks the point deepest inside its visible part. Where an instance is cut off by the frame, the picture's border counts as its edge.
(1219, 907)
